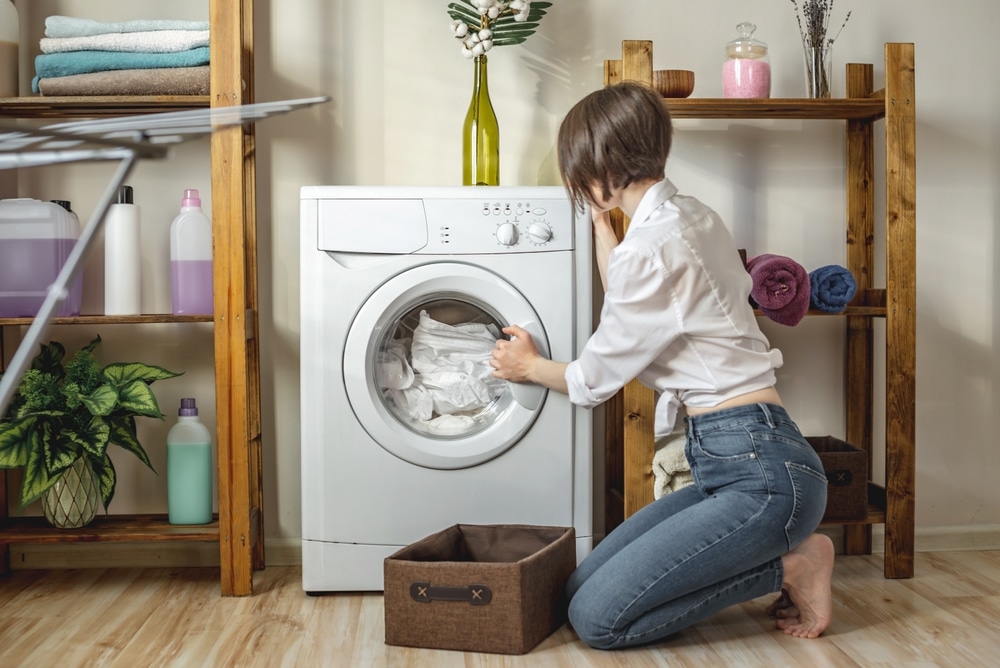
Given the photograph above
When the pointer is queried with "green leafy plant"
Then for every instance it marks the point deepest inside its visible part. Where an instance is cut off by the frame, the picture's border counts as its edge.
(483, 24)
(61, 413)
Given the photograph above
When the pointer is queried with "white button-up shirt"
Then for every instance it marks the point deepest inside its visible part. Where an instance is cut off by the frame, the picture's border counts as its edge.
(676, 314)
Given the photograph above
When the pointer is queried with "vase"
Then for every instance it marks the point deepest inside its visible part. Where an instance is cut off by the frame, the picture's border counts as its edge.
(73, 501)
(481, 135)
(818, 72)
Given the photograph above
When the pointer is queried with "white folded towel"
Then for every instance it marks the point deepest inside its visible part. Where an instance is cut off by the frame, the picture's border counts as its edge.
(671, 470)
(69, 26)
(152, 41)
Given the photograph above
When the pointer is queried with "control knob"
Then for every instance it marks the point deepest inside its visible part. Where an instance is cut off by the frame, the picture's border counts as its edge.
(539, 233)
(507, 234)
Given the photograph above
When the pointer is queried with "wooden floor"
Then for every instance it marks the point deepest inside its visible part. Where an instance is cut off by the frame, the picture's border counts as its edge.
(948, 615)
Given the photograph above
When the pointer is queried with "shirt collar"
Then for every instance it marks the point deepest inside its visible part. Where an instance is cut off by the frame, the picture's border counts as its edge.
(658, 193)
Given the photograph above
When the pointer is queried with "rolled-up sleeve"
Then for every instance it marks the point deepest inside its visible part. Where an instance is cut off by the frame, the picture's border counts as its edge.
(639, 320)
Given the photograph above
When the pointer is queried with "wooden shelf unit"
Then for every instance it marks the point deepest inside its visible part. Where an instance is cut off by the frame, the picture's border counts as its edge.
(239, 527)
(630, 449)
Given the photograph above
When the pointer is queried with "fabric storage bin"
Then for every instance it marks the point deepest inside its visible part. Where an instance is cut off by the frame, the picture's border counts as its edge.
(846, 469)
(479, 588)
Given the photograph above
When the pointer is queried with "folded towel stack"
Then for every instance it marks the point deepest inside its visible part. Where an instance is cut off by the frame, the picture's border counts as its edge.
(144, 57)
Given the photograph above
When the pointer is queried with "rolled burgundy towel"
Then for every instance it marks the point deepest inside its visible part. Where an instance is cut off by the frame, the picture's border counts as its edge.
(780, 288)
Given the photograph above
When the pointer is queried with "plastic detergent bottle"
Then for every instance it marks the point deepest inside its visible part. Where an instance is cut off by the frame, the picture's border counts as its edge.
(189, 468)
(191, 259)
(122, 257)
(8, 49)
(74, 299)
(36, 239)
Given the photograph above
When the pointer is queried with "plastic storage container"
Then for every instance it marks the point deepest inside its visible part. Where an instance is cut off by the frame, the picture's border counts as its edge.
(747, 70)
(9, 40)
(122, 257)
(191, 259)
(189, 468)
(36, 239)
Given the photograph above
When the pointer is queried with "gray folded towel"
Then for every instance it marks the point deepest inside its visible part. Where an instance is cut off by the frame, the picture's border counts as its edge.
(161, 81)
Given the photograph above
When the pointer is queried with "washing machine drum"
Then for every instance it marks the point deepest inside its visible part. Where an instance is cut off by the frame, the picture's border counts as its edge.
(416, 366)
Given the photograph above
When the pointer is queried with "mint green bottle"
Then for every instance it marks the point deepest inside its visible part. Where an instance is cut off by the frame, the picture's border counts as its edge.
(189, 468)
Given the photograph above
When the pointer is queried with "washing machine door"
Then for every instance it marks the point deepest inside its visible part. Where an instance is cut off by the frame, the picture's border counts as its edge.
(416, 366)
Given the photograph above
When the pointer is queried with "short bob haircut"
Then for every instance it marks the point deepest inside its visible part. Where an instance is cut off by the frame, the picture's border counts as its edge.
(612, 138)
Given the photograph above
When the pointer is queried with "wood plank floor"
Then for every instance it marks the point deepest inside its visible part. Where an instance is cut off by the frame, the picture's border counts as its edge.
(948, 615)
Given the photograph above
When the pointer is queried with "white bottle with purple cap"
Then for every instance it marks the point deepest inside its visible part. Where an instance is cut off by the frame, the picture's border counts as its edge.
(191, 258)
(189, 468)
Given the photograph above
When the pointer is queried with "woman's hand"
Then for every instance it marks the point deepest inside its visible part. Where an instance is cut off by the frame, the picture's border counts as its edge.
(512, 360)
(519, 361)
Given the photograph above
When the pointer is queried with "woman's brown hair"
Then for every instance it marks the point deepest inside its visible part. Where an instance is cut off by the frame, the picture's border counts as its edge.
(613, 137)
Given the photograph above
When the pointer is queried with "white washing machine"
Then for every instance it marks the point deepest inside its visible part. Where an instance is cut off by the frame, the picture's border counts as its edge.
(404, 430)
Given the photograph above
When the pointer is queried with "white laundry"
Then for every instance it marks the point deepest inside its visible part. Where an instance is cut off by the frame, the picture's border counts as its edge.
(393, 372)
(451, 374)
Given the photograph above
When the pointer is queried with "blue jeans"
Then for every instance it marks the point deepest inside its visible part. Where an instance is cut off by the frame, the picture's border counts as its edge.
(759, 490)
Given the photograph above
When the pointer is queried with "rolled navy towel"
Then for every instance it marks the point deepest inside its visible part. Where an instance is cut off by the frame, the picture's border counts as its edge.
(780, 288)
(831, 288)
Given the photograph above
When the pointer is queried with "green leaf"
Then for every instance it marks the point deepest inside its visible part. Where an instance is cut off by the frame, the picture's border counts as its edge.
(93, 344)
(101, 401)
(469, 17)
(509, 41)
(137, 397)
(124, 373)
(104, 471)
(123, 434)
(95, 441)
(17, 442)
(36, 479)
(49, 359)
(60, 450)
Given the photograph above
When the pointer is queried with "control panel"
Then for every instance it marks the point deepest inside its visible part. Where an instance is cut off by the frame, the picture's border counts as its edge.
(517, 225)
(448, 220)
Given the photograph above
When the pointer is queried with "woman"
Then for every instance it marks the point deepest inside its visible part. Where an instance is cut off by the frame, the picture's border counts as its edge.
(676, 316)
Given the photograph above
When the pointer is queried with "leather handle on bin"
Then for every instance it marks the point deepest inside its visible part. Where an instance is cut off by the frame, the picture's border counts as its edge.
(475, 594)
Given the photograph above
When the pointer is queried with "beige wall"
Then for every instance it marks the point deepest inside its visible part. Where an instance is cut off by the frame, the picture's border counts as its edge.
(399, 92)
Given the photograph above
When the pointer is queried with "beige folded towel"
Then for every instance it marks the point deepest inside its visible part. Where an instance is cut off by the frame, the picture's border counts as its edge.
(671, 470)
(159, 81)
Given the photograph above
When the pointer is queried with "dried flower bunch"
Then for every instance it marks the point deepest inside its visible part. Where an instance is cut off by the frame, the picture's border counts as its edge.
(814, 20)
(483, 24)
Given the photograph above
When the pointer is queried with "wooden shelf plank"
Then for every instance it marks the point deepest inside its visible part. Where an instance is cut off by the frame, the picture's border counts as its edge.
(148, 318)
(106, 528)
(870, 109)
(37, 106)
(875, 516)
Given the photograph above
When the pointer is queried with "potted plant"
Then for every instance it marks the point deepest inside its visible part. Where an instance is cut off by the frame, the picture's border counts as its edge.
(61, 422)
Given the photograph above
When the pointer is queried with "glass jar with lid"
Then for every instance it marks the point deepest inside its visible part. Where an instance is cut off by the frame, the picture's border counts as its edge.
(747, 70)
(8, 49)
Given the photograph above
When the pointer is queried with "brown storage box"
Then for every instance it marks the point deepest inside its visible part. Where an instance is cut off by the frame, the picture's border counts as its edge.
(846, 469)
(479, 588)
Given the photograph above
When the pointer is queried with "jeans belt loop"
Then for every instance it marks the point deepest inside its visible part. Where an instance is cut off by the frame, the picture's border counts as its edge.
(767, 415)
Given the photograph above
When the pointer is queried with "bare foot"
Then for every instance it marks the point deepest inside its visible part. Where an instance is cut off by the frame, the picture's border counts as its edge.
(807, 586)
(782, 606)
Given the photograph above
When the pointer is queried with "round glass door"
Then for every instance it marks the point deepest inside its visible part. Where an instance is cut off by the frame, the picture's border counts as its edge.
(416, 366)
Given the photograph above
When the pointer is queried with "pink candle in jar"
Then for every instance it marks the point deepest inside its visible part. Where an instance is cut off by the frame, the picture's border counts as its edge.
(746, 77)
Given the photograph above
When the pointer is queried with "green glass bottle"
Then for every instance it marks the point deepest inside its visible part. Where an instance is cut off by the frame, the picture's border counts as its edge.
(481, 135)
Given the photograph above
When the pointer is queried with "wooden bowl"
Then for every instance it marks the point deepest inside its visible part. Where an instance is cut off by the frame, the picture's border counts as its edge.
(673, 83)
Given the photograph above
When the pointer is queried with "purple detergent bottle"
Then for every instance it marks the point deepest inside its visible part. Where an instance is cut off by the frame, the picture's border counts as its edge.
(191, 259)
